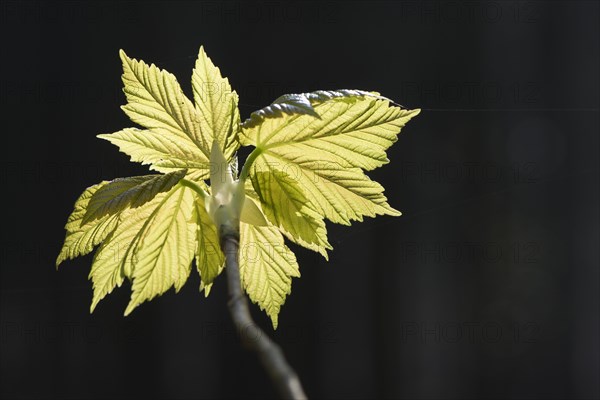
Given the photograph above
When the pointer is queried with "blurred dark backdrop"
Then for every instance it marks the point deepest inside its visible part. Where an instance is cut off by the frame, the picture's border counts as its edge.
(486, 287)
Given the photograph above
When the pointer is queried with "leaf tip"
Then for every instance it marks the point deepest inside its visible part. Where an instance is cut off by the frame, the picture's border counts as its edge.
(323, 251)
(59, 260)
(393, 212)
(274, 320)
(205, 288)
(130, 307)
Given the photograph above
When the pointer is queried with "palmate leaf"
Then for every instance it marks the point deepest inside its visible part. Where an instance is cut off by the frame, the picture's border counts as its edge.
(325, 155)
(155, 101)
(179, 134)
(154, 245)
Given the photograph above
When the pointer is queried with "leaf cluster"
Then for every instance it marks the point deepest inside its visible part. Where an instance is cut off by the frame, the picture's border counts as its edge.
(310, 153)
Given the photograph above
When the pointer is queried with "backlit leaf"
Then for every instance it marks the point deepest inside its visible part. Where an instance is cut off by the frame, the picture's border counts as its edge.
(210, 259)
(131, 192)
(325, 155)
(164, 152)
(309, 162)
(217, 104)
(163, 254)
(81, 238)
(267, 267)
(113, 260)
(155, 101)
(286, 206)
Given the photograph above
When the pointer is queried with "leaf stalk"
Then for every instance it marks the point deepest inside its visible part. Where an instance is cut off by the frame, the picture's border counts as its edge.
(249, 161)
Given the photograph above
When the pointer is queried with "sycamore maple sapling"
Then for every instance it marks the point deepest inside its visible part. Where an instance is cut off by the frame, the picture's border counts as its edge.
(308, 162)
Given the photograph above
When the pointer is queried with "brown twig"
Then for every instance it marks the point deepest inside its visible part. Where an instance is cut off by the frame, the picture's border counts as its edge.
(281, 373)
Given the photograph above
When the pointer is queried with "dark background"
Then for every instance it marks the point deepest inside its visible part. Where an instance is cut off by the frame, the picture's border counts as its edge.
(487, 286)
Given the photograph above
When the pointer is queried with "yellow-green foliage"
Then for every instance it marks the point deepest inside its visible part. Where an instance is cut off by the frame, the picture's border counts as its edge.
(310, 154)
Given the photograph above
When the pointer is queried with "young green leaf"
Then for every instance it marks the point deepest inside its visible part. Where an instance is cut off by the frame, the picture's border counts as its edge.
(216, 103)
(81, 238)
(210, 260)
(267, 267)
(162, 257)
(341, 194)
(325, 155)
(286, 206)
(132, 192)
(113, 260)
(352, 131)
(164, 152)
(155, 101)
(178, 134)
